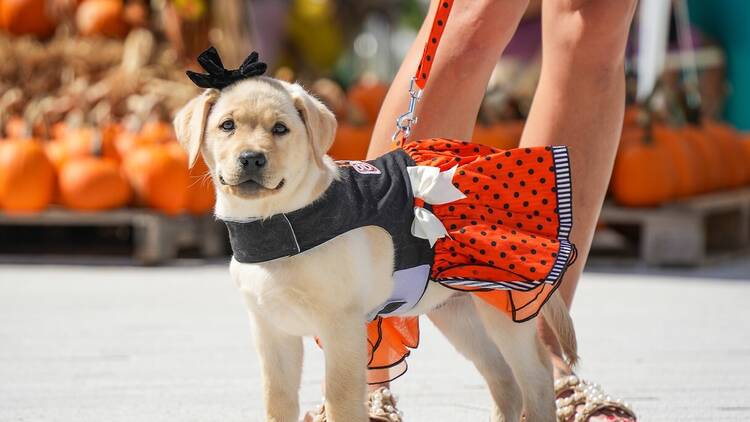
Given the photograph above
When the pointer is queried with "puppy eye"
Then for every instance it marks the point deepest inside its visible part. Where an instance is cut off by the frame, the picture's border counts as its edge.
(227, 125)
(279, 129)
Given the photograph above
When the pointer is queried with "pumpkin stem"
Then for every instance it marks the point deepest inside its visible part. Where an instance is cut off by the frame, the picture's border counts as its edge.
(97, 142)
(646, 122)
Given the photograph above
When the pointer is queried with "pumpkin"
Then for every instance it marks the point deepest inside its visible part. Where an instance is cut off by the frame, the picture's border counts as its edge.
(351, 142)
(157, 131)
(102, 17)
(151, 133)
(687, 162)
(92, 184)
(367, 97)
(27, 178)
(503, 135)
(158, 176)
(200, 190)
(83, 142)
(57, 152)
(727, 140)
(643, 174)
(714, 175)
(26, 17)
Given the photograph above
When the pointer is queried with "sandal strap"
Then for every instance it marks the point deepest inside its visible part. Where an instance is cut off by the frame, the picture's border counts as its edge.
(590, 395)
(381, 407)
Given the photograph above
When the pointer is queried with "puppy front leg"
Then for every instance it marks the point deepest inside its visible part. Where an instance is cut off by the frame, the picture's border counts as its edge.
(344, 346)
(280, 357)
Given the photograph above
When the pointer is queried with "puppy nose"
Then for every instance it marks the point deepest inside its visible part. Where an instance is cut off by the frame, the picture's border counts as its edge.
(252, 160)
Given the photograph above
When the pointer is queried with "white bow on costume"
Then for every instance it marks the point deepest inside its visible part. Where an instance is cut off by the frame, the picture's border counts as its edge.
(436, 188)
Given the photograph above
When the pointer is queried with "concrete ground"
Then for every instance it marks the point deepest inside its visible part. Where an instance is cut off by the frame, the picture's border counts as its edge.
(173, 344)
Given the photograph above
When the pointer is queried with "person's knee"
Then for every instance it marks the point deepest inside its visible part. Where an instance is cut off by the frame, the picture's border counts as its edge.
(594, 30)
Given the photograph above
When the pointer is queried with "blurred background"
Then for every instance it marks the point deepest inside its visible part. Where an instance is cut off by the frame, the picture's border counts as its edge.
(115, 300)
(89, 165)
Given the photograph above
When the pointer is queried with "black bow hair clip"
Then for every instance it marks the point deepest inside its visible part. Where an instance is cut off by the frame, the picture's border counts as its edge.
(218, 77)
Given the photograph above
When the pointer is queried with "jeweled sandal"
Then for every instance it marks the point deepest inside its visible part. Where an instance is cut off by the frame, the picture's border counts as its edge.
(580, 400)
(381, 407)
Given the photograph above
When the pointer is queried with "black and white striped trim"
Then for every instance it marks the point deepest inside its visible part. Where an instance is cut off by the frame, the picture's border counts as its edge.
(523, 286)
(564, 191)
(564, 212)
(561, 262)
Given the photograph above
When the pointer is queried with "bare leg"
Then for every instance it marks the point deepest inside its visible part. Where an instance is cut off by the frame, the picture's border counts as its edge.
(580, 103)
(475, 35)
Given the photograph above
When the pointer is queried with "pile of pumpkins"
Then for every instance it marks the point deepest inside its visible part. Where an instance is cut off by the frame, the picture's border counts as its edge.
(96, 169)
(40, 18)
(657, 163)
(357, 109)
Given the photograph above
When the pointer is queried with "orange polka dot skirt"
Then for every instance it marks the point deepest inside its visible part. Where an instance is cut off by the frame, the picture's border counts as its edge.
(507, 239)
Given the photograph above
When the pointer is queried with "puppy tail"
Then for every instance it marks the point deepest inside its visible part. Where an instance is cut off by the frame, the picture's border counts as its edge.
(558, 318)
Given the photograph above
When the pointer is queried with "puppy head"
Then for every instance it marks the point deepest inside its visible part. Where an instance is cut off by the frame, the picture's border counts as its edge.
(261, 138)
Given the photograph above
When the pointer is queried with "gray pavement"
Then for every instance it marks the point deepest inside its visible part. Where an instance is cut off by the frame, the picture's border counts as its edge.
(173, 344)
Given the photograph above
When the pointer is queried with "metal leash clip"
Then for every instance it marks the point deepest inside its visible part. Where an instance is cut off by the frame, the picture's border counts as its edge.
(405, 121)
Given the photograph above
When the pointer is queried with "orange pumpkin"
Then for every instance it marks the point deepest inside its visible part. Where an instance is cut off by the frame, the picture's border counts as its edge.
(351, 142)
(687, 163)
(57, 152)
(503, 135)
(158, 176)
(367, 96)
(27, 178)
(200, 190)
(157, 131)
(200, 195)
(714, 175)
(727, 140)
(92, 184)
(151, 133)
(643, 174)
(26, 17)
(102, 17)
(83, 142)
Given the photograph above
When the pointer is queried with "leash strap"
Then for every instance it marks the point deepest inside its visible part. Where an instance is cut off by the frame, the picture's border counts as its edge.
(419, 81)
(430, 48)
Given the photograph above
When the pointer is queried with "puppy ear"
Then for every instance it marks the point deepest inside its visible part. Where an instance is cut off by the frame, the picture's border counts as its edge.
(190, 123)
(319, 122)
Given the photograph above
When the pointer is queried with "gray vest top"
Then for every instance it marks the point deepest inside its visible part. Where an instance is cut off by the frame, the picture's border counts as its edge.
(372, 193)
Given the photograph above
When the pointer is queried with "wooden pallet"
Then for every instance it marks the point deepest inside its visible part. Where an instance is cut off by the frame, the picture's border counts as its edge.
(156, 237)
(689, 231)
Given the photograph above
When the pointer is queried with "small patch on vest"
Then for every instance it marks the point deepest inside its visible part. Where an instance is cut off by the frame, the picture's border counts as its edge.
(362, 167)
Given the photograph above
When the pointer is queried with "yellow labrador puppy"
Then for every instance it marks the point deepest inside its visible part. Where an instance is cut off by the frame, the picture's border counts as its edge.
(265, 143)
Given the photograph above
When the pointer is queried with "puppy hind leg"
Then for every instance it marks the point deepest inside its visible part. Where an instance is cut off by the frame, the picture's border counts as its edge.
(280, 356)
(524, 352)
(460, 323)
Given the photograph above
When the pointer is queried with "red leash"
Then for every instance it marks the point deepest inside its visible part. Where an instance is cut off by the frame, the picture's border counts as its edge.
(419, 81)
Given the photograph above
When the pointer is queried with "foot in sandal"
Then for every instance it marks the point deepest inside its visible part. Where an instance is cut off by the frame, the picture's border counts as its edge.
(582, 401)
(381, 406)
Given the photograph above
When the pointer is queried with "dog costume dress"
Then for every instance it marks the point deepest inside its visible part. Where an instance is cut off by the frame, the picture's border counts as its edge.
(470, 217)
